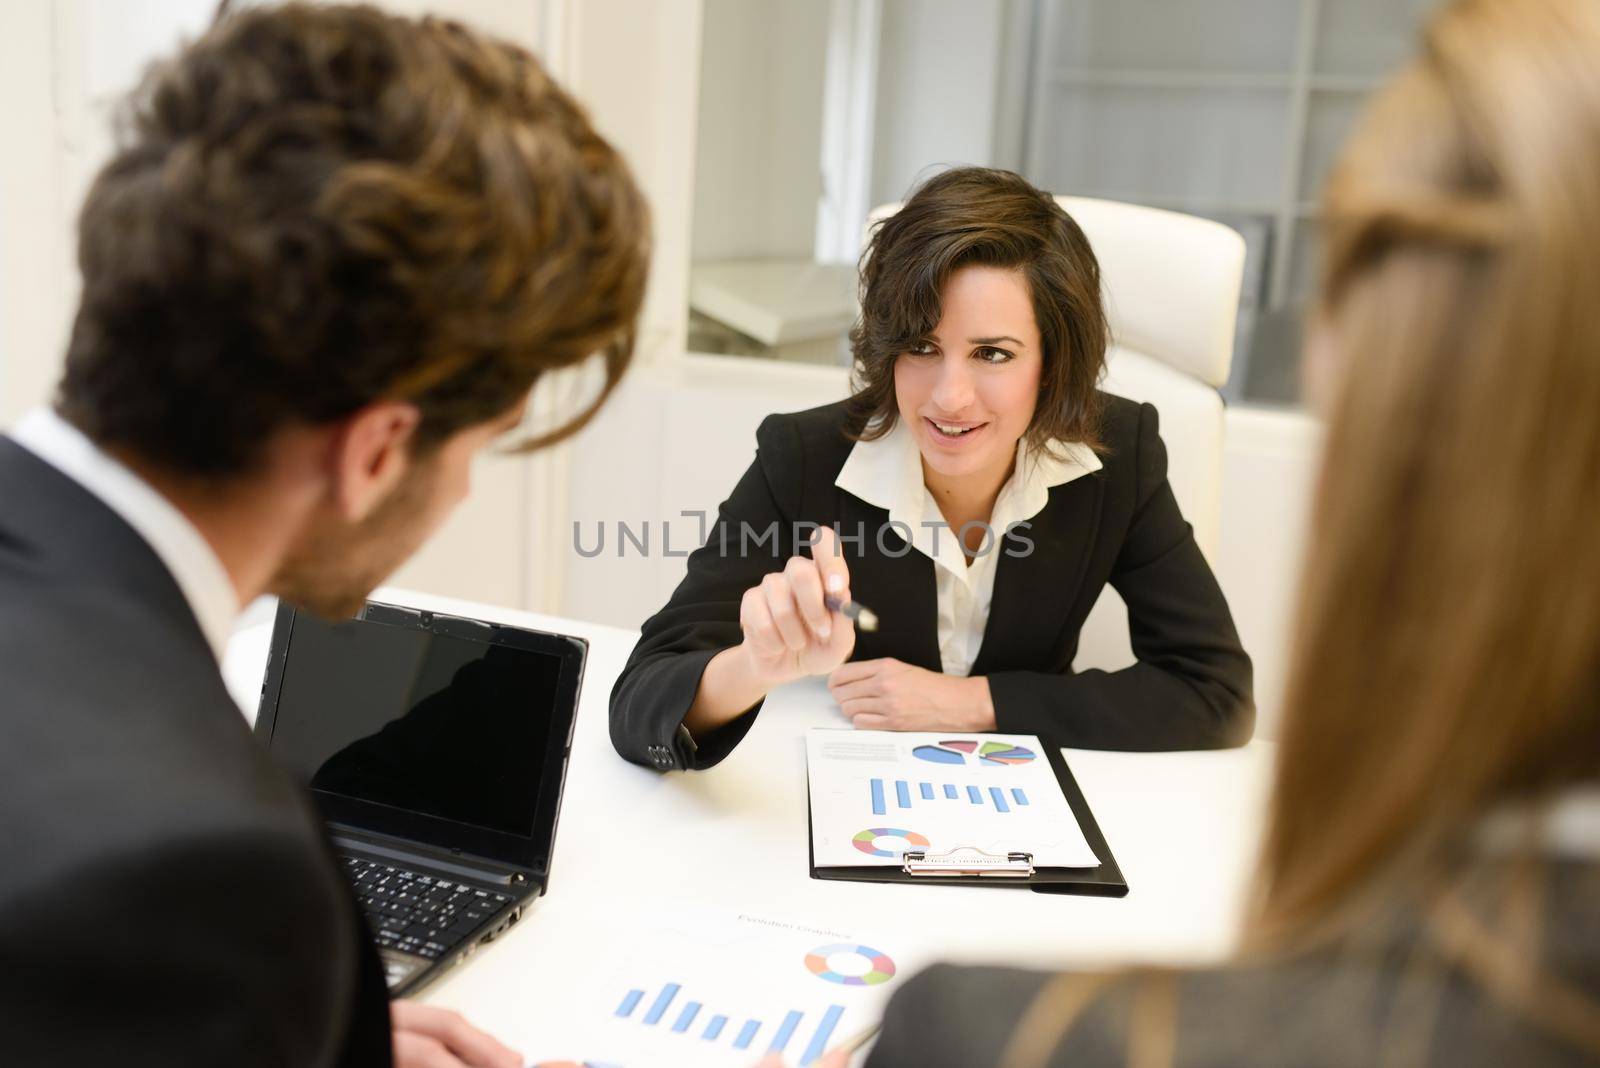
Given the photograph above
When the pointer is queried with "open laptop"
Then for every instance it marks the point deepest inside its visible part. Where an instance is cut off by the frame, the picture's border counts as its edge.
(436, 748)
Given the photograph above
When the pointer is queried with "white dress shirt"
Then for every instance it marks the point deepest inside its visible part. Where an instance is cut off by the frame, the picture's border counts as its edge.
(193, 564)
(887, 473)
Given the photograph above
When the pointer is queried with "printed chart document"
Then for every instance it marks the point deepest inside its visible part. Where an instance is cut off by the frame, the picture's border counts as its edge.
(713, 988)
(876, 794)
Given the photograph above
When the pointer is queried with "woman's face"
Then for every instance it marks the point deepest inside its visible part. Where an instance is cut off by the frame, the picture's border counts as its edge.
(968, 389)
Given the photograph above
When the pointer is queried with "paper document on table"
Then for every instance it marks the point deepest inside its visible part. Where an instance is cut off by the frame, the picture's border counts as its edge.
(877, 794)
(713, 988)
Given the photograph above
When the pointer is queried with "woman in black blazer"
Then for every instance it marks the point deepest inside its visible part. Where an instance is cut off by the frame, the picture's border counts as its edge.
(978, 492)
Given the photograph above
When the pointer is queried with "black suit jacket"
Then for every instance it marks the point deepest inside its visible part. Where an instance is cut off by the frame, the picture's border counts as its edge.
(1189, 690)
(1390, 987)
(167, 895)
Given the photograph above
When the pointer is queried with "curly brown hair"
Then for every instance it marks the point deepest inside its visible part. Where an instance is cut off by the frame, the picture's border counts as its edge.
(985, 217)
(314, 207)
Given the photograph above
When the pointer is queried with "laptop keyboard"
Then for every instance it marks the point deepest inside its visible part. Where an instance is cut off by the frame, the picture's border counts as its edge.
(417, 913)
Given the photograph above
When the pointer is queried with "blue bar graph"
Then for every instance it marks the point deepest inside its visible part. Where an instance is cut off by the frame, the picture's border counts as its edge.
(659, 1008)
(785, 1031)
(819, 1041)
(906, 797)
(686, 1017)
(689, 1014)
(629, 1003)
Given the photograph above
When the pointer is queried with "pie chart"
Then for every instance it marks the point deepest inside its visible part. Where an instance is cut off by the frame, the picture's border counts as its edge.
(868, 841)
(1004, 753)
(945, 752)
(850, 965)
(966, 750)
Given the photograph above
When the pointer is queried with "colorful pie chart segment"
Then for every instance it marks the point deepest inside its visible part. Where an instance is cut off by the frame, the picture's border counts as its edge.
(1004, 753)
(850, 965)
(868, 841)
(961, 750)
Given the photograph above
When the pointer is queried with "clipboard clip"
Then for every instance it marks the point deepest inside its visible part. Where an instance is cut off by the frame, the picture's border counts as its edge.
(967, 860)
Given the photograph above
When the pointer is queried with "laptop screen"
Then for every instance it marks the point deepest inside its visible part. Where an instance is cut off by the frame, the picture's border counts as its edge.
(426, 726)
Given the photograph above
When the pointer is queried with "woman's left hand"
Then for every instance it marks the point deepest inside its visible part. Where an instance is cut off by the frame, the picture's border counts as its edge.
(891, 695)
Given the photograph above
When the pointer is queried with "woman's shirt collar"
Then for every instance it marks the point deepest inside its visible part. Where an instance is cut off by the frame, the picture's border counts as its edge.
(887, 473)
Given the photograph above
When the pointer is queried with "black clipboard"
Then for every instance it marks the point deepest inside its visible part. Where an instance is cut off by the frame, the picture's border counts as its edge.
(1009, 871)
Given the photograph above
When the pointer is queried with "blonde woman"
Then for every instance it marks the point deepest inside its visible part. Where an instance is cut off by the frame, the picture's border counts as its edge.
(1431, 875)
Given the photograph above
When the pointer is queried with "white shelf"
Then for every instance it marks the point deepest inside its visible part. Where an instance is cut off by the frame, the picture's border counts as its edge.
(777, 302)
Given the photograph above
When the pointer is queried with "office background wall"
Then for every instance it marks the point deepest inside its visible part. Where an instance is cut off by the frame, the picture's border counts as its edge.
(939, 81)
(760, 134)
(64, 64)
(636, 65)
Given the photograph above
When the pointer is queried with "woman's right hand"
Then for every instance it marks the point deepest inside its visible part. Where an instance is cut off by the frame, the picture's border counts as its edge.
(788, 630)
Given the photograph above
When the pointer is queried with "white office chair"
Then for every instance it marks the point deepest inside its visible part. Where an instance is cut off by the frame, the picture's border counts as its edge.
(1172, 289)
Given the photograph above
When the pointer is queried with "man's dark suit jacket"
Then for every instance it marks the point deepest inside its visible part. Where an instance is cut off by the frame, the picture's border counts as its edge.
(1120, 525)
(167, 897)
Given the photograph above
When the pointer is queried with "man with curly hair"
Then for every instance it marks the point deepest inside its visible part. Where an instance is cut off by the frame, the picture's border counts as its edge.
(326, 264)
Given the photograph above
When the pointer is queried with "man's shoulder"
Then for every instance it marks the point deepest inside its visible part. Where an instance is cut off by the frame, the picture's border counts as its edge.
(68, 550)
(159, 852)
(118, 733)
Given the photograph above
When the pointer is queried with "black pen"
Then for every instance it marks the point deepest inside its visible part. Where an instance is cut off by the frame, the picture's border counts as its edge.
(863, 617)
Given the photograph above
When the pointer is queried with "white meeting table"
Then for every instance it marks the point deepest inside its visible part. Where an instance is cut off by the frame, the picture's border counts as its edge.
(1183, 827)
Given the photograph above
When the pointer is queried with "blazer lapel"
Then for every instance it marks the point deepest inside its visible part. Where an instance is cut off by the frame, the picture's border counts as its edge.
(900, 589)
(1035, 587)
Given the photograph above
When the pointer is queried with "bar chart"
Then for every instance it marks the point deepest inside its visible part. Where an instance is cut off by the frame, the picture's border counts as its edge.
(906, 793)
(686, 985)
(805, 1032)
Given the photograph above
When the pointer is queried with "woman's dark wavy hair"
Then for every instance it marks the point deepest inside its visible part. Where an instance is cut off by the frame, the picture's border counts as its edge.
(978, 216)
(315, 207)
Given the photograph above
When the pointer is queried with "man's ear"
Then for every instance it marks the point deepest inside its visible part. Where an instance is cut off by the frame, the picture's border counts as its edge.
(371, 453)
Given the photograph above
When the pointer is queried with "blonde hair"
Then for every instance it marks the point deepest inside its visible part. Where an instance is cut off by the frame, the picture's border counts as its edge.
(1447, 652)
(1447, 647)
